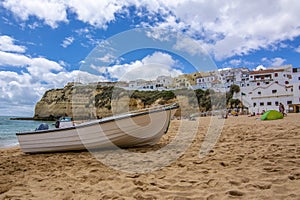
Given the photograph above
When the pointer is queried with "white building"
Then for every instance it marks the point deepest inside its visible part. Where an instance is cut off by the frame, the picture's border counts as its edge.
(161, 83)
(296, 90)
(265, 89)
(206, 80)
(136, 84)
(164, 82)
(223, 78)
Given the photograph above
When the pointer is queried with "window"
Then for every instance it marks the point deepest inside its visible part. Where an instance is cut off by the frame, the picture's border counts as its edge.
(267, 83)
(259, 93)
(299, 87)
(276, 74)
(286, 82)
(254, 104)
(299, 78)
(258, 84)
(274, 91)
(269, 103)
(261, 104)
(289, 102)
(276, 103)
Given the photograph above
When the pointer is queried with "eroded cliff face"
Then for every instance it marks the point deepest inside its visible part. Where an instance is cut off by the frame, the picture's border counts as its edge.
(55, 103)
(91, 102)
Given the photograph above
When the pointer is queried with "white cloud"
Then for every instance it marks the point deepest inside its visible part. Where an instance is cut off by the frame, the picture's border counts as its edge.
(192, 46)
(297, 49)
(18, 91)
(260, 67)
(96, 13)
(23, 90)
(26, 87)
(274, 62)
(243, 27)
(107, 58)
(67, 42)
(13, 59)
(232, 28)
(7, 44)
(34, 76)
(50, 11)
(43, 70)
(149, 68)
(225, 29)
(235, 62)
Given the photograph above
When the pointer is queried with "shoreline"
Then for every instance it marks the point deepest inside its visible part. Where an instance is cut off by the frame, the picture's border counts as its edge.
(32, 118)
(10, 146)
(21, 118)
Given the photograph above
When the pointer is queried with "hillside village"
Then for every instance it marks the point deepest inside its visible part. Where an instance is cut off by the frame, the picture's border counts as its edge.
(260, 90)
(246, 92)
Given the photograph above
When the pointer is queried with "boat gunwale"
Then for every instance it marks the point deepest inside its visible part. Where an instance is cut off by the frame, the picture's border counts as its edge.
(106, 120)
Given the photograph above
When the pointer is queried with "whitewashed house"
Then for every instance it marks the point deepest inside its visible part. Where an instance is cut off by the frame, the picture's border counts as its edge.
(265, 89)
(237, 76)
(164, 82)
(136, 84)
(223, 79)
(295, 106)
(161, 83)
(207, 80)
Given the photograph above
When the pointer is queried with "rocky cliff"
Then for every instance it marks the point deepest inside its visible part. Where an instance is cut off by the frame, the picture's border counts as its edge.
(95, 101)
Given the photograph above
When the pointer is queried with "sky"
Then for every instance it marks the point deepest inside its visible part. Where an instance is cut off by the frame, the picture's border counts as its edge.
(45, 44)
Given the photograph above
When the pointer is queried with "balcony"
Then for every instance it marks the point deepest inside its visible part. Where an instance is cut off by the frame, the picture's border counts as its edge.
(262, 80)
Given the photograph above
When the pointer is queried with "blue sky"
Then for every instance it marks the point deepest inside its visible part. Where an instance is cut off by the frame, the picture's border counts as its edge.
(46, 43)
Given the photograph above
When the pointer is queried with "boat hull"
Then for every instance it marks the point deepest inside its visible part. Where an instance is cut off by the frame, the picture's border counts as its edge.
(129, 130)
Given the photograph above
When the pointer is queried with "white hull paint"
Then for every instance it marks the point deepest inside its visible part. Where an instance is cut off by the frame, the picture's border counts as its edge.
(129, 130)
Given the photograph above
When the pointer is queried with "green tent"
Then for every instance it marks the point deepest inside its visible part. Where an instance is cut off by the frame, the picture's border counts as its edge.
(271, 115)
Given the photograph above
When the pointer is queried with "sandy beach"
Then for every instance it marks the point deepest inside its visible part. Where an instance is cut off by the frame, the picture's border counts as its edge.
(252, 159)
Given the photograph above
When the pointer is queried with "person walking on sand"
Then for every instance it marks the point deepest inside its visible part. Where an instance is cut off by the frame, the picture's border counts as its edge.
(281, 108)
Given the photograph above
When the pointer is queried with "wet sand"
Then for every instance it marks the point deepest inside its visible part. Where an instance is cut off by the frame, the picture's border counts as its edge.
(252, 159)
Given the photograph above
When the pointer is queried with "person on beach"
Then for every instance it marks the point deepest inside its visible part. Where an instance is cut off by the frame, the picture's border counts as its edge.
(281, 109)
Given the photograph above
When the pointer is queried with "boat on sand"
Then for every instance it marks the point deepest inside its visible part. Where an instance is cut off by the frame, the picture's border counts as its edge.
(133, 129)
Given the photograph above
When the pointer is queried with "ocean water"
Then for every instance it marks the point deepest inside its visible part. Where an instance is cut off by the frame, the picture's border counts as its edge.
(9, 128)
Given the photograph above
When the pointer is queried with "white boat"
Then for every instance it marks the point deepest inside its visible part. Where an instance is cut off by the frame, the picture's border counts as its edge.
(138, 128)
